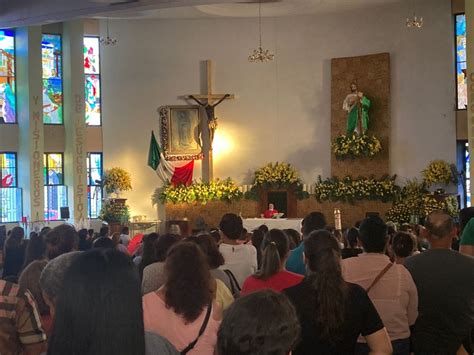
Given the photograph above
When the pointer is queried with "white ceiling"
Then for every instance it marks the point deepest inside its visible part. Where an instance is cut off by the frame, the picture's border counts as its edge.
(245, 9)
(15, 13)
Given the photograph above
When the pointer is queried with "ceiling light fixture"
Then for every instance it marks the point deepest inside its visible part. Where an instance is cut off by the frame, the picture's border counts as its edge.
(108, 41)
(260, 54)
(414, 21)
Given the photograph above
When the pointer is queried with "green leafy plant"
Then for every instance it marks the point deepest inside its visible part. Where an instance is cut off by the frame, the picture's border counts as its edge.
(114, 212)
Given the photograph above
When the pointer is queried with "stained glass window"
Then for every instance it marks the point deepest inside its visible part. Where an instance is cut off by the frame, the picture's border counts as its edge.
(55, 193)
(94, 183)
(461, 67)
(10, 194)
(7, 77)
(467, 166)
(52, 79)
(92, 84)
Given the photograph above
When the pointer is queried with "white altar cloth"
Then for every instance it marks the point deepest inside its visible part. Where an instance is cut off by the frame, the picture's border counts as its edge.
(281, 223)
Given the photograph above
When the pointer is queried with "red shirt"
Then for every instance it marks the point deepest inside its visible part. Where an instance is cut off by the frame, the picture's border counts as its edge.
(269, 214)
(278, 282)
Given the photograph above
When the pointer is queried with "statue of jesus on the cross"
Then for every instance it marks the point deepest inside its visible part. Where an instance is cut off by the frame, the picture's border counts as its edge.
(210, 112)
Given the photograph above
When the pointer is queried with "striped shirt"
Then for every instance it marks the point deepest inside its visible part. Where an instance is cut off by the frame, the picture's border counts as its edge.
(20, 322)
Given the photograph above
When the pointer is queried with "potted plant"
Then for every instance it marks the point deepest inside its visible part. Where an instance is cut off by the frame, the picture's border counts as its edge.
(115, 214)
(114, 210)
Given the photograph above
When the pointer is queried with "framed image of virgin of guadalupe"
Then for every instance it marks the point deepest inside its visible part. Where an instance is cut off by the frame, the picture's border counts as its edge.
(180, 132)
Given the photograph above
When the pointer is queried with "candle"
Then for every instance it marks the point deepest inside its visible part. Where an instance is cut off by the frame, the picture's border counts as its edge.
(337, 219)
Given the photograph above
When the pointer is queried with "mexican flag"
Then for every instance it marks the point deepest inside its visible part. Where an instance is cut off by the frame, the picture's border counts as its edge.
(182, 175)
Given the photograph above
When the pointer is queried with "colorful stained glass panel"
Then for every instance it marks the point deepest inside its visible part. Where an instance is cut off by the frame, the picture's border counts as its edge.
(55, 197)
(91, 55)
(461, 75)
(53, 169)
(92, 96)
(7, 77)
(8, 170)
(94, 188)
(52, 79)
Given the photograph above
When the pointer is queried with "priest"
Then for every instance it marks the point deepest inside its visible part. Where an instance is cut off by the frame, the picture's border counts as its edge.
(270, 212)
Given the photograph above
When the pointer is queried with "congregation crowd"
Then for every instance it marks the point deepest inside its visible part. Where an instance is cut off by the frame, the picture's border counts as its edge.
(372, 289)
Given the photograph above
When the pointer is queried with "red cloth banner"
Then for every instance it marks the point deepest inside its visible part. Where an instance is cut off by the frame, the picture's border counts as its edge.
(183, 175)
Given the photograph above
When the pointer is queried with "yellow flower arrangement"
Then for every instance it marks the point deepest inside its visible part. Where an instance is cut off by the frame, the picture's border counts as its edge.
(438, 171)
(199, 192)
(117, 180)
(417, 201)
(355, 146)
(350, 190)
(278, 173)
(278, 176)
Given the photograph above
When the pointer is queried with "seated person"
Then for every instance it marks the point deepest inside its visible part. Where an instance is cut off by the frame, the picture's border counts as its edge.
(270, 212)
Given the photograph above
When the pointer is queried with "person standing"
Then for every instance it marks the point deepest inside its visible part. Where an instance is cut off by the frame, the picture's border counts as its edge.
(312, 222)
(331, 311)
(124, 236)
(389, 286)
(15, 248)
(239, 259)
(272, 274)
(445, 282)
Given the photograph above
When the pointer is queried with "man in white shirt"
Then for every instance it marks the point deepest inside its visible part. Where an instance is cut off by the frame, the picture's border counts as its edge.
(124, 236)
(240, 259)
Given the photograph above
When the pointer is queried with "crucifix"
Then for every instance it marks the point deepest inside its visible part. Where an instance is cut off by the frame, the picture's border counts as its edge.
(208, 102)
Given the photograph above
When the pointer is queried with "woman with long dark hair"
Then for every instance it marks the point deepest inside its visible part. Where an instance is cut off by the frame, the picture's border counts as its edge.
(154, 274)
(222, 294)
(332, 312)
(182, 310)
(98, 310)
(272, 273)
(59, 240)
(35, 250)
(14, 253)
(149, 252)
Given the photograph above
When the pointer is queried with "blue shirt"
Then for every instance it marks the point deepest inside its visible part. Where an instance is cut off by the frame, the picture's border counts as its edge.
(295, 262)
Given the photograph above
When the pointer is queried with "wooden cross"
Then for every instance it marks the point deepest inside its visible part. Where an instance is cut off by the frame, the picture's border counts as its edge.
(209, 101)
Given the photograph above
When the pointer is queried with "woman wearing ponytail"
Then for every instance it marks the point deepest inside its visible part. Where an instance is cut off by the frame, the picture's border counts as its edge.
(272, 273)
(333, 312)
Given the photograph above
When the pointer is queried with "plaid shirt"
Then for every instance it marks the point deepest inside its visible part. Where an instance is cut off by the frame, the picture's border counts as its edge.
(20, 322)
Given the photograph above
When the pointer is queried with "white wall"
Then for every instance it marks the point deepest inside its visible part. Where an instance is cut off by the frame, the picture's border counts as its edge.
(282, 110)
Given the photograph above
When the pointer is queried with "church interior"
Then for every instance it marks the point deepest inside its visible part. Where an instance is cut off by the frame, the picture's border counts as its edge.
(236, 177)
(143, 64)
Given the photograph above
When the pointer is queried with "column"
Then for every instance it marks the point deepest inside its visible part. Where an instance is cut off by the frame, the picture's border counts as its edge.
(30, 120)
(470, 78)
(74, 119)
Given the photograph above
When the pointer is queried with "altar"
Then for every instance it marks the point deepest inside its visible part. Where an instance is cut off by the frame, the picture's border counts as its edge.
(280, 223)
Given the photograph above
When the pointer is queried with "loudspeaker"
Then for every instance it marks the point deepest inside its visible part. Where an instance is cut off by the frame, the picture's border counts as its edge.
(64, 212)
(3, 235)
